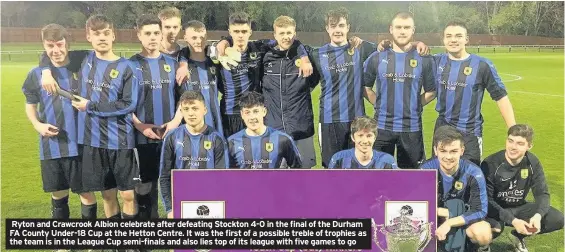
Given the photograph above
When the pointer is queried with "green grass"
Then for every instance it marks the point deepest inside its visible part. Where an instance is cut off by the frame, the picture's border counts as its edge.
(537, 99)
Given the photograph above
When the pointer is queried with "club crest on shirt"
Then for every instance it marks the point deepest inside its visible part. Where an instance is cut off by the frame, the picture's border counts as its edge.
(459, 185)
(207, 145)
(114, 73)
(269, 147)
(253, 55)
(167, 68)
(297, 62)
(524, 173)
(413, 63)
(467, 70)
(351, 51)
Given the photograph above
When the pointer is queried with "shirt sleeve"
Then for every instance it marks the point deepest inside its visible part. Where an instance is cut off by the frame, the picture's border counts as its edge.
(335, 162)
(370, 70)
(539, 188)
(31, 89)
(184, 55)
(429, 75)
(478, 201)
(504, 215)
(492, 81)
(220, 153)
(367, 48)
(166, 165)
(126, 102)
(76, 57)
(291, 154)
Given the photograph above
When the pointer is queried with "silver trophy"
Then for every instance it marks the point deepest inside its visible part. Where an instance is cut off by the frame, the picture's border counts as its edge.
(404, 233)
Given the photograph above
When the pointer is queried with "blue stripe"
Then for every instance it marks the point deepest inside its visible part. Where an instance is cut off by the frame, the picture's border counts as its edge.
(51, 119)
(415, 114)
(179, 149)
(195, 142)
(131, 131)
(342, 89)
(398, 93)
(203, 77)
(467, 95)
(326, 96)
(276, 154)
(172, 85)
(83, 91)
(157, 92)
(68, 114)
(357, 83)
(450, 95)
(230, 92)
(382, 94)
(41, 155)
(140, 112)
(238, 142)
(256, 149)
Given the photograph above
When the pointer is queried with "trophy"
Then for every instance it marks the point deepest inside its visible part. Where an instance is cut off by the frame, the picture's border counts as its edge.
(404, 233)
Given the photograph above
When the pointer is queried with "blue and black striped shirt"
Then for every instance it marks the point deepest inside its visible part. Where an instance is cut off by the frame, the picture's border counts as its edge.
(467, 184)
(156, 92)
(461, 87)
(262, 152)
(341, 80)
(399, 78)
(205, 78)
(55, 110)
(112, 89)
(346, 159)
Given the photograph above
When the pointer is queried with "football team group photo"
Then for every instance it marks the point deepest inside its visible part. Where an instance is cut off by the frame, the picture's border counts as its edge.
(111, 129)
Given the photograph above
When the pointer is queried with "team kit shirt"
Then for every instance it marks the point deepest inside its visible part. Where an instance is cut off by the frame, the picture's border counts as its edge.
(346, 159)
(508, 185)
(112, 89)
(55, 110)
(204, 78)
(467, 184)
(399, 79)
(341, 77)
(261, 152)
(183, 150)
(461, 87)
(156, 92)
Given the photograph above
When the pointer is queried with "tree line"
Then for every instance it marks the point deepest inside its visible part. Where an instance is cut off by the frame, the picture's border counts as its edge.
(482, 17)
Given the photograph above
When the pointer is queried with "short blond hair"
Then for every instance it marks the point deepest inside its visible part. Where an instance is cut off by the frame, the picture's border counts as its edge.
(284, 21)
(169, 12)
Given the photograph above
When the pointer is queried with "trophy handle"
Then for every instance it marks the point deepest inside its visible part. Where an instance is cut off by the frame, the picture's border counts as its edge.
(425, 243)
(376, 234)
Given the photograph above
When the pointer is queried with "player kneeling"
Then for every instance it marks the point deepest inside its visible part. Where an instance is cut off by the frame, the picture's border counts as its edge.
(363, 133)
(462, 195)
(510, 174)
(193, 145)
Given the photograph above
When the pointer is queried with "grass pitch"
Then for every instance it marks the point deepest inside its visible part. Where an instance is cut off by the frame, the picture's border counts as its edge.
(533, 79)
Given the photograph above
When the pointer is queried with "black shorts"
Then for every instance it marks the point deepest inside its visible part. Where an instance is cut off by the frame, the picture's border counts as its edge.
(409, 147)
(551, 221)
(149, 161)
(334, 137)
(61, 174)
(473, 144)
(232, 124)
(104, 169)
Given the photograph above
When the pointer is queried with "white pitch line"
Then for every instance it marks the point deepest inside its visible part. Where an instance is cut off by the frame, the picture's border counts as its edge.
(542, 94)
(517, 77)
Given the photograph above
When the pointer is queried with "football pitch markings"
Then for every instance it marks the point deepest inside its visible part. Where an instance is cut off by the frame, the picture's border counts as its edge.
(518, 78)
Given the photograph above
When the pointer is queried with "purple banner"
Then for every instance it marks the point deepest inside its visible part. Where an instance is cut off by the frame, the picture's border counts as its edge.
(383, 195)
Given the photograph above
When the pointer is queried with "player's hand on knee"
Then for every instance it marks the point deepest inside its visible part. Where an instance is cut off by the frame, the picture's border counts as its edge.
(441, 231)
(422, 48)
(521, 226)
(384, 45)
(46, 130)
(355, 41)
(48, 82)
(183, 74)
